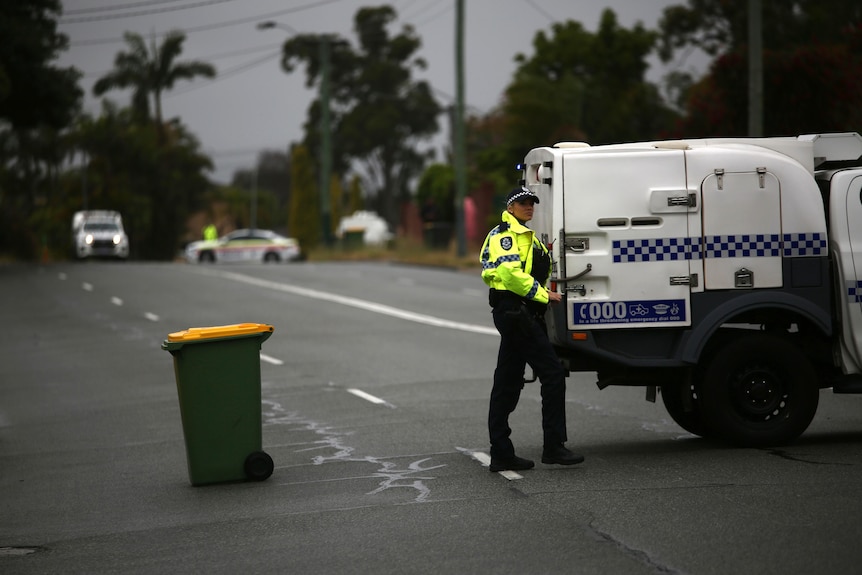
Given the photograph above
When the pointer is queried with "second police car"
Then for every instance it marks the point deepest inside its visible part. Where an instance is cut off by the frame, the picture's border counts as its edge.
(245, 245)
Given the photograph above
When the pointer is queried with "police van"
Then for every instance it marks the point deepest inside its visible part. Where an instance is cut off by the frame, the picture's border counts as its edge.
(724, 275)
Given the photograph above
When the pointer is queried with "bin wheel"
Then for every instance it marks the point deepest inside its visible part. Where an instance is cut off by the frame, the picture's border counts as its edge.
(258, 466)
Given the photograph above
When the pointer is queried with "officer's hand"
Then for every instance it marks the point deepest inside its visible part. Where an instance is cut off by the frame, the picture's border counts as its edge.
(554, 297)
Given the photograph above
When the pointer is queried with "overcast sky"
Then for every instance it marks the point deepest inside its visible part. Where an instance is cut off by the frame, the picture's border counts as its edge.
(253, 105)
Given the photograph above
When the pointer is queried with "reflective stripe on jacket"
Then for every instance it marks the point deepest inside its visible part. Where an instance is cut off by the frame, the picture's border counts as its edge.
(507, 259)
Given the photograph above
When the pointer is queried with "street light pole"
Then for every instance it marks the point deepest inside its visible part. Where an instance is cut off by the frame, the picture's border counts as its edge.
(325, 159)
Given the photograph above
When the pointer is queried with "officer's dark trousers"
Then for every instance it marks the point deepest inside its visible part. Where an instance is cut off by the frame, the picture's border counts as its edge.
(523, 340)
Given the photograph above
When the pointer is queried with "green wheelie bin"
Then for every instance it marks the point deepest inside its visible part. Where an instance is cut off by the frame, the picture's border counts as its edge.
(218, 382)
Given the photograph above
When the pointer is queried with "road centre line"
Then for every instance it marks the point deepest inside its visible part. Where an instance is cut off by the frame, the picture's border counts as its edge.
(116, 301)
(270, 359)
(485, 460)
(369, 397)
(358, 303)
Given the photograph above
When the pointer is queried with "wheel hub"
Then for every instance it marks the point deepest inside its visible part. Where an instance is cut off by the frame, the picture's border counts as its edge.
(759, 394)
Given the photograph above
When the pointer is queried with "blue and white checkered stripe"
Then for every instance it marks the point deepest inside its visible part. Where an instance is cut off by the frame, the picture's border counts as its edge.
(742, 245)
(656, 249)
(487, 264)
(730, 246)
(854, 291)
(803, 245)
(486, 253)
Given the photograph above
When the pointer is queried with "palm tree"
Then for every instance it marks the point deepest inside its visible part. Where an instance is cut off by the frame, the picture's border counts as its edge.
(150, 71)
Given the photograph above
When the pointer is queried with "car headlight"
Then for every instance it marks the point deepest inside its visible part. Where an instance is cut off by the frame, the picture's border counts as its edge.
(117, 239)
(88, 239)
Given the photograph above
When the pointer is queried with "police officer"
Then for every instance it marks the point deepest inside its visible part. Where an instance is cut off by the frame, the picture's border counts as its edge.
(210, 232)
(516, 266)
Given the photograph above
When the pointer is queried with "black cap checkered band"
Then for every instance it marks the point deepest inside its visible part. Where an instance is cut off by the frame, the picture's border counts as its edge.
(524, 193)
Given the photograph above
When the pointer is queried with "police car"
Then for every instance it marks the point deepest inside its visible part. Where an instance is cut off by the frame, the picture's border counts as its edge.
(245, 245)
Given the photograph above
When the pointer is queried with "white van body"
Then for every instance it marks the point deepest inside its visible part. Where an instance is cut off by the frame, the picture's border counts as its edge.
(673, 255)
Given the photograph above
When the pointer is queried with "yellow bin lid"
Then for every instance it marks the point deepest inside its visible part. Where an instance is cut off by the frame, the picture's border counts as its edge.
(198, 333)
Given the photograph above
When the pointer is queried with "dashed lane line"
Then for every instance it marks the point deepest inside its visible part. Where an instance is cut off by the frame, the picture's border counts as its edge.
(485, 460)
(369, 397)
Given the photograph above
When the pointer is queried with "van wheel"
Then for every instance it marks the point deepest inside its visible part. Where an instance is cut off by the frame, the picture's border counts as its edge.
(206, 257)
(683, 406)
(271, 258)
(758, 390)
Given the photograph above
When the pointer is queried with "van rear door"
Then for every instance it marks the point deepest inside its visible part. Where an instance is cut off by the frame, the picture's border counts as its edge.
(626, 219)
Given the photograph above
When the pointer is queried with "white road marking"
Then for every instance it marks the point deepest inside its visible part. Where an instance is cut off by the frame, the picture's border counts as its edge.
(369, 397)
(357, 303)
(61, 275)
(86, 286)
(510, 475)
(116, 301)
(485, 460)
(270, 359)
(151, 316)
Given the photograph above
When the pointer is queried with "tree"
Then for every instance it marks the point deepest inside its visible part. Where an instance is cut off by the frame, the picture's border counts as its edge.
(379, 113)
(150, 71)
(436, 194)
(353, 200)
(33, 93)
(161, 161)
(273, 173)
(336, 202)
(37, 102)
(576, 85)
(153, 176)
(304, 214)
(811, 63)
(590, 86)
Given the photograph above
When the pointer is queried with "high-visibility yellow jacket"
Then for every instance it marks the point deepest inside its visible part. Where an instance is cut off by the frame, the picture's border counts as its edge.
(507, 259)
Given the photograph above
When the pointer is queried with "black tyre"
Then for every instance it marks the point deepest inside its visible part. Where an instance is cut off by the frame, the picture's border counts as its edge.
(683, 406)
(758, 390)
(206, 257)
(271, 258)
(258, 466)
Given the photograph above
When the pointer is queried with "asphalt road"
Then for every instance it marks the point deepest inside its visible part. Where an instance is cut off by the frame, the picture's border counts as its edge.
(374, 386)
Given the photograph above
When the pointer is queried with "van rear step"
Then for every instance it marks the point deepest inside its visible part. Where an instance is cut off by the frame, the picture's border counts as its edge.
(848, 384)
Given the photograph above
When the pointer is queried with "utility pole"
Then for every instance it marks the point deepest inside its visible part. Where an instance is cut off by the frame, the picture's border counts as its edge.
(459, 159)
(325, 142)
(755, 69)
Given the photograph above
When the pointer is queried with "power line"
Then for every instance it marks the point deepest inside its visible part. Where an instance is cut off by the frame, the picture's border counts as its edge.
(218, 25)
(141, 13)
(421, 10)
(120, 7)
(446, 9)
(221, 56)
(540, 10)
(226, 74)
